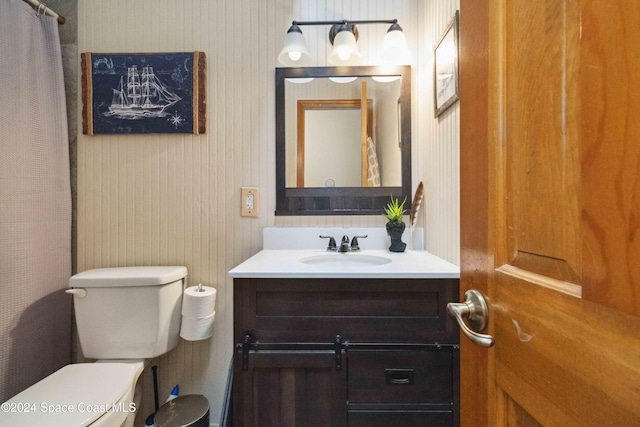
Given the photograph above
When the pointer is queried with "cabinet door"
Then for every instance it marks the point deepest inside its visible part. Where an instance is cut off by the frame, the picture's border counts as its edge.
(289, 388)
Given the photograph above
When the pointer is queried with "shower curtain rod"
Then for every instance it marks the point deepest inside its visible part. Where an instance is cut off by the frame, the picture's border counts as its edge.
(41, 7)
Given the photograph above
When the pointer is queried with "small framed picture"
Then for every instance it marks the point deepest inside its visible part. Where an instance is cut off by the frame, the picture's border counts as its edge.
(139, 93)
(445, 68)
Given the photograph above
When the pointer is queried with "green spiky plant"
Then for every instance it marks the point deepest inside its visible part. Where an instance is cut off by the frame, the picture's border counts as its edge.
(395, 210)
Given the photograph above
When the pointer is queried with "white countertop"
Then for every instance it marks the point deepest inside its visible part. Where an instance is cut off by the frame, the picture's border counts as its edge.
(285, 263)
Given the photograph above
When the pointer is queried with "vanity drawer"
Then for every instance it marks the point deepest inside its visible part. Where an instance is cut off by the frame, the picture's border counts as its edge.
(359, 310)
(401, 376)
(400, 418)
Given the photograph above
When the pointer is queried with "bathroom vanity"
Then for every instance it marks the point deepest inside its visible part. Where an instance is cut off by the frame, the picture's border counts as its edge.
(357, 339)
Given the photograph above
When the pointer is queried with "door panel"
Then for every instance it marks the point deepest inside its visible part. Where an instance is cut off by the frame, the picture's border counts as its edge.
(539, 142)
(610, 153)
(566, 361)
(550, 204)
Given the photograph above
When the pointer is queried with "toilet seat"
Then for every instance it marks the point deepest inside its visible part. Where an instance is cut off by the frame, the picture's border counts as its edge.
(75, 396)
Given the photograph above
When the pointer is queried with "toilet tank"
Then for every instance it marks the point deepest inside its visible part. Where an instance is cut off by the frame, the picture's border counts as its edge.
(128, 312)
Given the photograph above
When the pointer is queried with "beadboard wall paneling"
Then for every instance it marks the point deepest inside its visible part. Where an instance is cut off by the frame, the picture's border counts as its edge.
(175, 199)
(439, 148)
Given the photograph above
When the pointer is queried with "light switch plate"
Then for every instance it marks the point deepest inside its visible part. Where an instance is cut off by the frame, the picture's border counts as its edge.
(249, 201)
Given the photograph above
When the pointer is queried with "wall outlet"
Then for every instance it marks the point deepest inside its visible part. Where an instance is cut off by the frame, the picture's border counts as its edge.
(249, 201)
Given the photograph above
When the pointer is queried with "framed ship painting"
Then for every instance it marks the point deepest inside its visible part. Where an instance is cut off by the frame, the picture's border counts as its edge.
(139, 93)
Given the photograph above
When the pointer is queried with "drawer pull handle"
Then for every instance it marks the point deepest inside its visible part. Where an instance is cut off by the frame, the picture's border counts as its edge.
(399, 376)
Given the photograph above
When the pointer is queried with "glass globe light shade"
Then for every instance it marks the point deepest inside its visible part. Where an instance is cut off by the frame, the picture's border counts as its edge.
(345, 51)
(294, 53)
(394, 47)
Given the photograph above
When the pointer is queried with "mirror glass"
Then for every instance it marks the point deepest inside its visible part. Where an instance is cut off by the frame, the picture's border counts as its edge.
(343, 142)
(332, 141)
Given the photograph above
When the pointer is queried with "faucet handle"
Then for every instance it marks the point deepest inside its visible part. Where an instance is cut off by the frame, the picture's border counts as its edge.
(332, 243)
(354, 242)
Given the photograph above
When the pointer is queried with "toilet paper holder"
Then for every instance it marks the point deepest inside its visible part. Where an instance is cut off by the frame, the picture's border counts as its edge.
(198, 313)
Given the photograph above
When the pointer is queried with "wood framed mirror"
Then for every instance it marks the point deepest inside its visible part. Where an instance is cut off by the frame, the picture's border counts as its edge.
(316, 117)
(374, 152)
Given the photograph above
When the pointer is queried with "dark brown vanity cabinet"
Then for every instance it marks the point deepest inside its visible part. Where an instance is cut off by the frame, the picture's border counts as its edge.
(345, 352)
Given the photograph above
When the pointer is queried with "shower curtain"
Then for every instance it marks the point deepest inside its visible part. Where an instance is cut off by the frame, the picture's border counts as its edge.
(35, 200)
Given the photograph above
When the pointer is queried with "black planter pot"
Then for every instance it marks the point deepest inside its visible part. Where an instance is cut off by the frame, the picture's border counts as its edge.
(395, 230)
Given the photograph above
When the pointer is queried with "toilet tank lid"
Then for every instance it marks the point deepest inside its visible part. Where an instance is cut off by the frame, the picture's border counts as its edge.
(128, 276)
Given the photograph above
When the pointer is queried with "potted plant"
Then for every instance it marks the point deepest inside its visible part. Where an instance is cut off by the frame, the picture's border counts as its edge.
(394, 211)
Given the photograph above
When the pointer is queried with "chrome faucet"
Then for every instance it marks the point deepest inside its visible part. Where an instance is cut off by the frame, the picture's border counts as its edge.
(345, 246)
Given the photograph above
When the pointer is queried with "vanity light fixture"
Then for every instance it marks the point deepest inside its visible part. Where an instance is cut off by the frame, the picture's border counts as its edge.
(294, 53)
(343, 35)
(345, 51)
(394, 47)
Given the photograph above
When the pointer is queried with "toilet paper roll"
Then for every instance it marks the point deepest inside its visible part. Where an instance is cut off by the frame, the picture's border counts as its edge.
(197, 328)
(198, 303)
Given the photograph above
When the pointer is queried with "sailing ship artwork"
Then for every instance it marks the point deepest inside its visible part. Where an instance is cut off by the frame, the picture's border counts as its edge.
(144, 93)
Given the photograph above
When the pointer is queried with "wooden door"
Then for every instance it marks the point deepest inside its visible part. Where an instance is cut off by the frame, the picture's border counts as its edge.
(550, 210)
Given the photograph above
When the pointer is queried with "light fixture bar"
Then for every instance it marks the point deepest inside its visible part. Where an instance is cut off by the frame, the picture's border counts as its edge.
(346, 21)
(344, 36)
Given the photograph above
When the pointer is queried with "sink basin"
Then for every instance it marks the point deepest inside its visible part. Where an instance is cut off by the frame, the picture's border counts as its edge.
(344, 260)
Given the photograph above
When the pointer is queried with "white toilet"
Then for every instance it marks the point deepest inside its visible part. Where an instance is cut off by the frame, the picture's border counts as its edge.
(125, 317)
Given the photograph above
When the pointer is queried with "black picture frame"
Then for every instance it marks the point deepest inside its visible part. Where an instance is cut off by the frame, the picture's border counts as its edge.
(293, 201)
